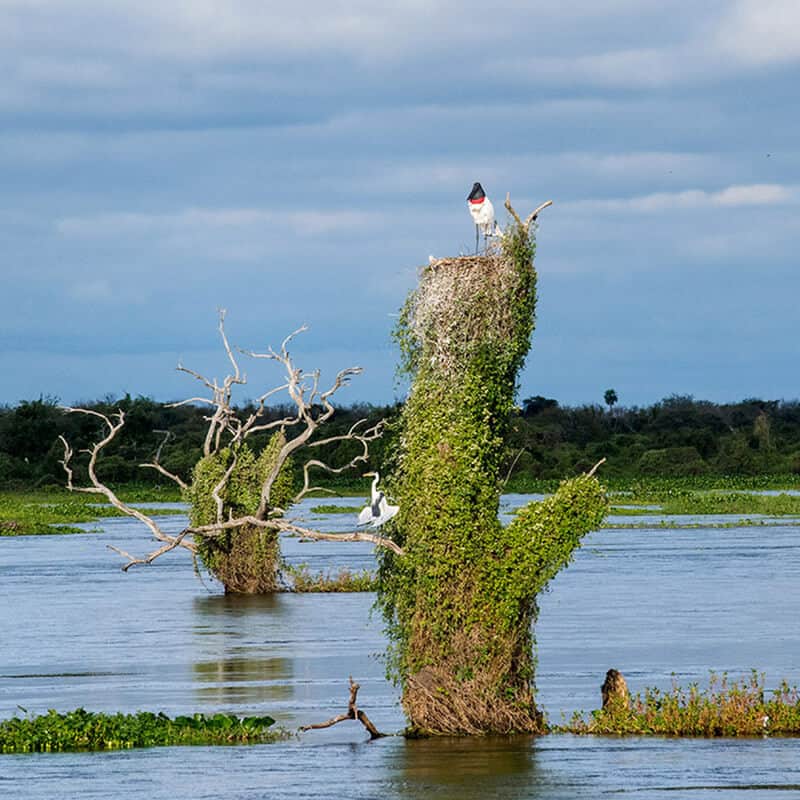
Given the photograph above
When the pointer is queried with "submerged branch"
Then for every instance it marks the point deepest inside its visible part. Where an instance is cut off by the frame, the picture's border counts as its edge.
(353, 712)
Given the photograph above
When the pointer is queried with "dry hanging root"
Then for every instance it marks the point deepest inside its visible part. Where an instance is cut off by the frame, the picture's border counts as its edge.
(353, 712)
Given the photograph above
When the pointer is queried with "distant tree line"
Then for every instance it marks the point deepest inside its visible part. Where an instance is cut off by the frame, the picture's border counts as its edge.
(677, 436)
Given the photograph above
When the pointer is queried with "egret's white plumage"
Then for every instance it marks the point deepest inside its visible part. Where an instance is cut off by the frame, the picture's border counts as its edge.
(378, 510)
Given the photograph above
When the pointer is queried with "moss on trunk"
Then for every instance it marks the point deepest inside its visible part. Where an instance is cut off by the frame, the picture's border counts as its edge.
(461, 602)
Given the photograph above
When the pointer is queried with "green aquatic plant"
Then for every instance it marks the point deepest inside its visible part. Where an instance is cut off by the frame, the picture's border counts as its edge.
(344, 580)
(86, 730)
(460, 601)
(726, 708)
(54, 512)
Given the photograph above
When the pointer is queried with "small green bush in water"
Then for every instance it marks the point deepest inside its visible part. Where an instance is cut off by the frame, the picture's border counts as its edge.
(726, 708)
(84, 730)
(460, 602)
(245, 559)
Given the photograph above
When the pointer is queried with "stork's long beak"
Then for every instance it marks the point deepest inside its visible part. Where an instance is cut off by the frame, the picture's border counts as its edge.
(368, 475)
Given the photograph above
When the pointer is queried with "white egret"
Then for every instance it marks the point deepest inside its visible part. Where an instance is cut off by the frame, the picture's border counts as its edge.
(378, 510)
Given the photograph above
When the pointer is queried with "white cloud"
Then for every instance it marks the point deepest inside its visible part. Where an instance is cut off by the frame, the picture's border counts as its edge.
(311, 222)
(759, 194)
(761, 32)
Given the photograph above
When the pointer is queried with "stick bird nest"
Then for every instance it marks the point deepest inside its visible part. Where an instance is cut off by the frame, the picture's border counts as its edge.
(461, 303)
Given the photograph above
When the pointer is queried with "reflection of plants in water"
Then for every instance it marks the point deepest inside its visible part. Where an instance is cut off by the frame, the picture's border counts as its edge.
(243, 679)
(470, 766)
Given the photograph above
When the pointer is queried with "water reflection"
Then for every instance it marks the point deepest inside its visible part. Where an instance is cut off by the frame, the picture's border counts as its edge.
(234, 664)
(242, 680)
(235, 605)
(467, 767)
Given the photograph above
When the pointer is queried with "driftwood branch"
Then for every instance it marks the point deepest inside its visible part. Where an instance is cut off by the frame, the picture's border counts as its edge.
(353, 435)
(98, 487)
(353, 712)
(596, 467)
(531, 218)
(156, 462)
(313, 407)
(287, 526)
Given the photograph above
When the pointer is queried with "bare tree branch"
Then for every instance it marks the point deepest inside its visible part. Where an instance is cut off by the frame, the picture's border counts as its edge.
(313, 408)
(353, 712)
(530, 218)
(98, 487)
(165, 548)
(287, 526)
(595, 467)
(304, 397)
(156, 462)
(369, 435)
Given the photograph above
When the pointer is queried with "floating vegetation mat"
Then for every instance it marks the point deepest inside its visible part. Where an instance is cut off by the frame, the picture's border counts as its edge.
(84, 730)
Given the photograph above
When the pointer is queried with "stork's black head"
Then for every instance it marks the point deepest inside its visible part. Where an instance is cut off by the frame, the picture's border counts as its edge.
(477, 192)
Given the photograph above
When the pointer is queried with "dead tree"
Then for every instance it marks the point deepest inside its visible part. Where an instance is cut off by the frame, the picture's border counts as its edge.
(229, 540)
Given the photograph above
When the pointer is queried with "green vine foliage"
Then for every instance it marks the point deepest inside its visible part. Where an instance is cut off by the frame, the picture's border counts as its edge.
(461, 602)
(245, 559)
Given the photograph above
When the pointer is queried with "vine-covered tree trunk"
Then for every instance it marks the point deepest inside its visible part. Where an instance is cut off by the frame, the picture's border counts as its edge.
(461, 601)
(244, 559)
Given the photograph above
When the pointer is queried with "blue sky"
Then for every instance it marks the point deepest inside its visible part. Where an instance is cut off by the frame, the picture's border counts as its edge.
(296, 163)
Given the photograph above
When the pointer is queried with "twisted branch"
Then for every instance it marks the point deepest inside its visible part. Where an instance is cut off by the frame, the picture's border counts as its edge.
(353, 712)
(156, 462)
(313, 407)
(531, 218)
(98, 487)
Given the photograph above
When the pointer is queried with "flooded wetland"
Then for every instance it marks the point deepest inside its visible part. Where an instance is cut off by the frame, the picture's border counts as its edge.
(657, 604)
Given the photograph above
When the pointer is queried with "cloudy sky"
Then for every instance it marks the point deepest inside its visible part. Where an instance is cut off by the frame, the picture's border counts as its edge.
(295, 163)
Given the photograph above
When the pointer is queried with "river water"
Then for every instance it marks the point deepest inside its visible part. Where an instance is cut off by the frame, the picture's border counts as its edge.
(75, 631)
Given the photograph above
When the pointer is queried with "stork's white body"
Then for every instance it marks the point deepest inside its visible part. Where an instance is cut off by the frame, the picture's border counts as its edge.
(483, 216)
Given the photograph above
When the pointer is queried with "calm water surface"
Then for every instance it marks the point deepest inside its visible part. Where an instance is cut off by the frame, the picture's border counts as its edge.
(75, 631)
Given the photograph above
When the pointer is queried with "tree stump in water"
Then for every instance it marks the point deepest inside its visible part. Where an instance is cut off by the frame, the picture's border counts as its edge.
(615, 691)
(461, 600)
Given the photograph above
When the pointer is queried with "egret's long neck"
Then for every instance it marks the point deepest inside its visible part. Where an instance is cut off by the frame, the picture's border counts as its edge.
(375, 484)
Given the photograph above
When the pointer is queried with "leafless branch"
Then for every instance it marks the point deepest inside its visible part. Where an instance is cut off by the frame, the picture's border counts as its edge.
(313, 407)
(530, 218)
(355, 536)
(596, 467)
(353, 712)
(156, 462)
(303, 389)
(288, 526)
(148, 559)
(369, 435)
(98, 487)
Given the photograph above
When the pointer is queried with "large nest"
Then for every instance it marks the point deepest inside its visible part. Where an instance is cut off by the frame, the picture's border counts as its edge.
(460, 303)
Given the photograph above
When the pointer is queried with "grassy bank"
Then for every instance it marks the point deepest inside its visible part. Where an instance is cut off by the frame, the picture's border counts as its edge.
(84, 730)
(726, 708)
(57, 511)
